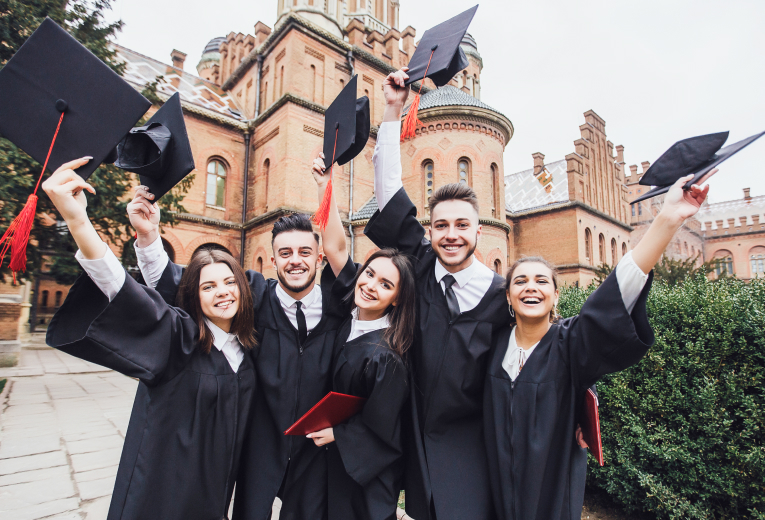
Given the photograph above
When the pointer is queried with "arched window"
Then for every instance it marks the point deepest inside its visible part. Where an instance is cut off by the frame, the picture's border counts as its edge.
(588, 245)
(281, 81)
(723, 263)
(264, 190)
(757, 261)
(427, 176)
(211, 245)
(464, 171)
(216, 183)
(613, 251)
(496, 211)
(59, 294)
(312, 84)
(624, 248)
(640, 208)
(259, 265)
(497, 266)
(602, 248)
(44, 302)
(371, 105)
(633, 209)
(687, 251)
(693, 251)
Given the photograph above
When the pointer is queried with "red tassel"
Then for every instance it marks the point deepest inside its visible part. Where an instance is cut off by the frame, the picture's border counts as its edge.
(321, 217)
(17, 237)
(411, 122)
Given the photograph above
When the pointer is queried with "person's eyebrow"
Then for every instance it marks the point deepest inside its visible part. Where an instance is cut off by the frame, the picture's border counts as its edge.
(519, 276)
(370, 268)
(209, 281)
(388, 281)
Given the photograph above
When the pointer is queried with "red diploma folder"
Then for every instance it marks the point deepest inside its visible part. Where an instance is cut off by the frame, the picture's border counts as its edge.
(591, 425)
(332, 410)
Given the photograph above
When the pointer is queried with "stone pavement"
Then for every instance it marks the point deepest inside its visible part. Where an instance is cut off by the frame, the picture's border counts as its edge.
(62, 426)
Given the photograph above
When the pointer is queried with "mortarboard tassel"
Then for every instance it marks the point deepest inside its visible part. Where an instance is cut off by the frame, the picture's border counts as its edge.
(321, 217)
(411, 122)
(16, 236)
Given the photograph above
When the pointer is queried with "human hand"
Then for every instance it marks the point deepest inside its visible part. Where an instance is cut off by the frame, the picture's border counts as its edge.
(144, 214)
(66, 190)
(681, 204)
(319, 171)
(322, 437)
(394, 88)
(580, 437)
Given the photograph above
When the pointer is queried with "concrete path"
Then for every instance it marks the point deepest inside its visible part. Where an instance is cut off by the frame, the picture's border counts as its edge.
(62, 427)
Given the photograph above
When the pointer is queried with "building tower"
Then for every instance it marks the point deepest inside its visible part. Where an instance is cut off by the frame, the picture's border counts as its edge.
(335, 15)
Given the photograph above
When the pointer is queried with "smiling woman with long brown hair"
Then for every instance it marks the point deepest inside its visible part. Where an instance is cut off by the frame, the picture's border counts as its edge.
(365, 454)
(541, 364)
(196, 385)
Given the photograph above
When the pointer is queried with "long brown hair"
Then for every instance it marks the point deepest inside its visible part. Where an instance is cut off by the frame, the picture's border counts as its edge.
(400, 333)
(537, 260)
(188, 298)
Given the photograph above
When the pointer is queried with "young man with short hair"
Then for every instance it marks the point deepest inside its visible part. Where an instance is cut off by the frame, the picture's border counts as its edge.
(461, 303)
(296, 331)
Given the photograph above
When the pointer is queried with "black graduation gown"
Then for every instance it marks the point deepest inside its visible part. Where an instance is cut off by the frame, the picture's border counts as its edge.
(186, 430)
(291, 380)
(444, 451)
(365, 461)
(537, 468)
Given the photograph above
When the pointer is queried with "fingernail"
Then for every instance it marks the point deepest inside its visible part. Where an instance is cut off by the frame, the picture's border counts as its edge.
(87, 157)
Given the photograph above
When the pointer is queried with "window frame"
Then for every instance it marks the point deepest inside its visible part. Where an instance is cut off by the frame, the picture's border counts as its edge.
(208, 173)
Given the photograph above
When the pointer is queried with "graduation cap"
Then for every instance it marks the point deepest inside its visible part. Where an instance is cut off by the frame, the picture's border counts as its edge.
(159, 152)
(439, 56)
(59, 102)
(695, 155)
(346, 132)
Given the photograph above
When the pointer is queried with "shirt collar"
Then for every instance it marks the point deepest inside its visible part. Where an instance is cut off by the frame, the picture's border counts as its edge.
(461, 277)
(220, 336)
(513, 344)
(308, 300)
(370, 325)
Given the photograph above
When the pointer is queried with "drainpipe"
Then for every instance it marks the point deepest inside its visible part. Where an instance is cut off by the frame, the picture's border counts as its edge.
(247, 136)
(349, 58)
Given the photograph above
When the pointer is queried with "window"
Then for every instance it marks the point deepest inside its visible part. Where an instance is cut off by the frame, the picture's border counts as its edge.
(723, 263)
(312, 84)
(427, 171)
(59, 294)
(259, 265)
(464, 171)
(496, 199)
(216, 183)
(687, 252)
(588, 245)
(757, 261)
(44, 302)
(498, 266)
(281, 81)
(613, 251)
(602, 248)
(371, 105)
(640, 208)
(624, 248)
(633, 209)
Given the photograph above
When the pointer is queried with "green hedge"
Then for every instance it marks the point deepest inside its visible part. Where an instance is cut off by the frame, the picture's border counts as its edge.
(683, 429)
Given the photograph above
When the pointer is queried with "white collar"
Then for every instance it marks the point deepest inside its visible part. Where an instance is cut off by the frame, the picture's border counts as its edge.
(308, 300)
(462, 277)
(220, 336)
(369, 325)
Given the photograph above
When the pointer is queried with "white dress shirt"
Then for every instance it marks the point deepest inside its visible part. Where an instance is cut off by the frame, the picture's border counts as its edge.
(228, 344)
(109, 276)
(153, 259)
(631, 282)
(311, 306)
(470, 284)
(359, 328)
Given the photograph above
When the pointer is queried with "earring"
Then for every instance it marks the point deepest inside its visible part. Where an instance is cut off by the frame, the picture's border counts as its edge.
(512, 312)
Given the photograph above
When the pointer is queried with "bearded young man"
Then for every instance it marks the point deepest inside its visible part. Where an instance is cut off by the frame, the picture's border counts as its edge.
(296, 332)
(461, 303)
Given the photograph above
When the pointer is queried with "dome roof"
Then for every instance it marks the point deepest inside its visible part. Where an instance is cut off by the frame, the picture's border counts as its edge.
(448, 96)
(214, 44)
(469, 41)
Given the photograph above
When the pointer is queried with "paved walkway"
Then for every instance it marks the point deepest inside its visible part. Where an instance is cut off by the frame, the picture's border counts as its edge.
(62, 426)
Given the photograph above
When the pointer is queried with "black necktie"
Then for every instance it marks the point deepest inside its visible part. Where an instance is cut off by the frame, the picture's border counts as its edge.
(451, 298)
(302, 327)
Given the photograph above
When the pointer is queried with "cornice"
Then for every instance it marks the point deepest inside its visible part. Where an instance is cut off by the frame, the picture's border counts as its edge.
(204, 113)
(470, 113)
(207, 221)
(572, 204)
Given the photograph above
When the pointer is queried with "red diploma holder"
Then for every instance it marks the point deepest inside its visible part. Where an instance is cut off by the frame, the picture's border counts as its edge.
(332, 410)
(591, 426)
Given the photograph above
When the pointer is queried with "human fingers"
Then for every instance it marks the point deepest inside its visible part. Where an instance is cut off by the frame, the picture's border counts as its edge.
(143, 191)
(142, 206)
(707, 175)
(73, 165)
(76, 185)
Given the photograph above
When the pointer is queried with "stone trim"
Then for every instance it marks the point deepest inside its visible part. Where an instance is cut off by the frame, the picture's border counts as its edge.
(260, 142)
(207, 221)
(313, 52)
(572, 204)
(314, 131)
(280, 55)
(470, 113)
(343, 67)
(368, 79)
(204, 113)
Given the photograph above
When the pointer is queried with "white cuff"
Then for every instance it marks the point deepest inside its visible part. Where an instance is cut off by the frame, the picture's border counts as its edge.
(152, 260)
(631, 280)
(107, 272)
(389, 133)
(387, 163)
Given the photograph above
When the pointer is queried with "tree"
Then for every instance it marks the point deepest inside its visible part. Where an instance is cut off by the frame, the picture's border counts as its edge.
(674, 272)
(19, 172)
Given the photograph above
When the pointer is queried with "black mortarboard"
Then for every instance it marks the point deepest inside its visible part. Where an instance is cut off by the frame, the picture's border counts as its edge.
(439, 55)
(348, 118)
(695, 155)
(53, 73)
(159, 152)
(346, 131)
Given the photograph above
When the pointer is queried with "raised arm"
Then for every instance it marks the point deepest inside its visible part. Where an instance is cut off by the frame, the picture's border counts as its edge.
(387, 156)
(333, 237)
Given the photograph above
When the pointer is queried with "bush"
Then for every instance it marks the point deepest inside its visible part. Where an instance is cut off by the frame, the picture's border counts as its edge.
(683, 429)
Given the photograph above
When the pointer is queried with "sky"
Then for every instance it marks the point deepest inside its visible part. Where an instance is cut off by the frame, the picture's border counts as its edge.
(656, 71)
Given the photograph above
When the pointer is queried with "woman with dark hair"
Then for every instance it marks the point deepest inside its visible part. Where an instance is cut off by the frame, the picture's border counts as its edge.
(364, 454)
(196, 386)
(540, 366)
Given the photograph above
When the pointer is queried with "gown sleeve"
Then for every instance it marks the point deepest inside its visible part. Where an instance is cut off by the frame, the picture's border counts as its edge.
(136, 334)
(604, 337)
(337, 299)
(371, 440)
(397, 226)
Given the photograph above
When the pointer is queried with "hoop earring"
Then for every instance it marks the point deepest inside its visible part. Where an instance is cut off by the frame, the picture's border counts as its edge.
(512, 312)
